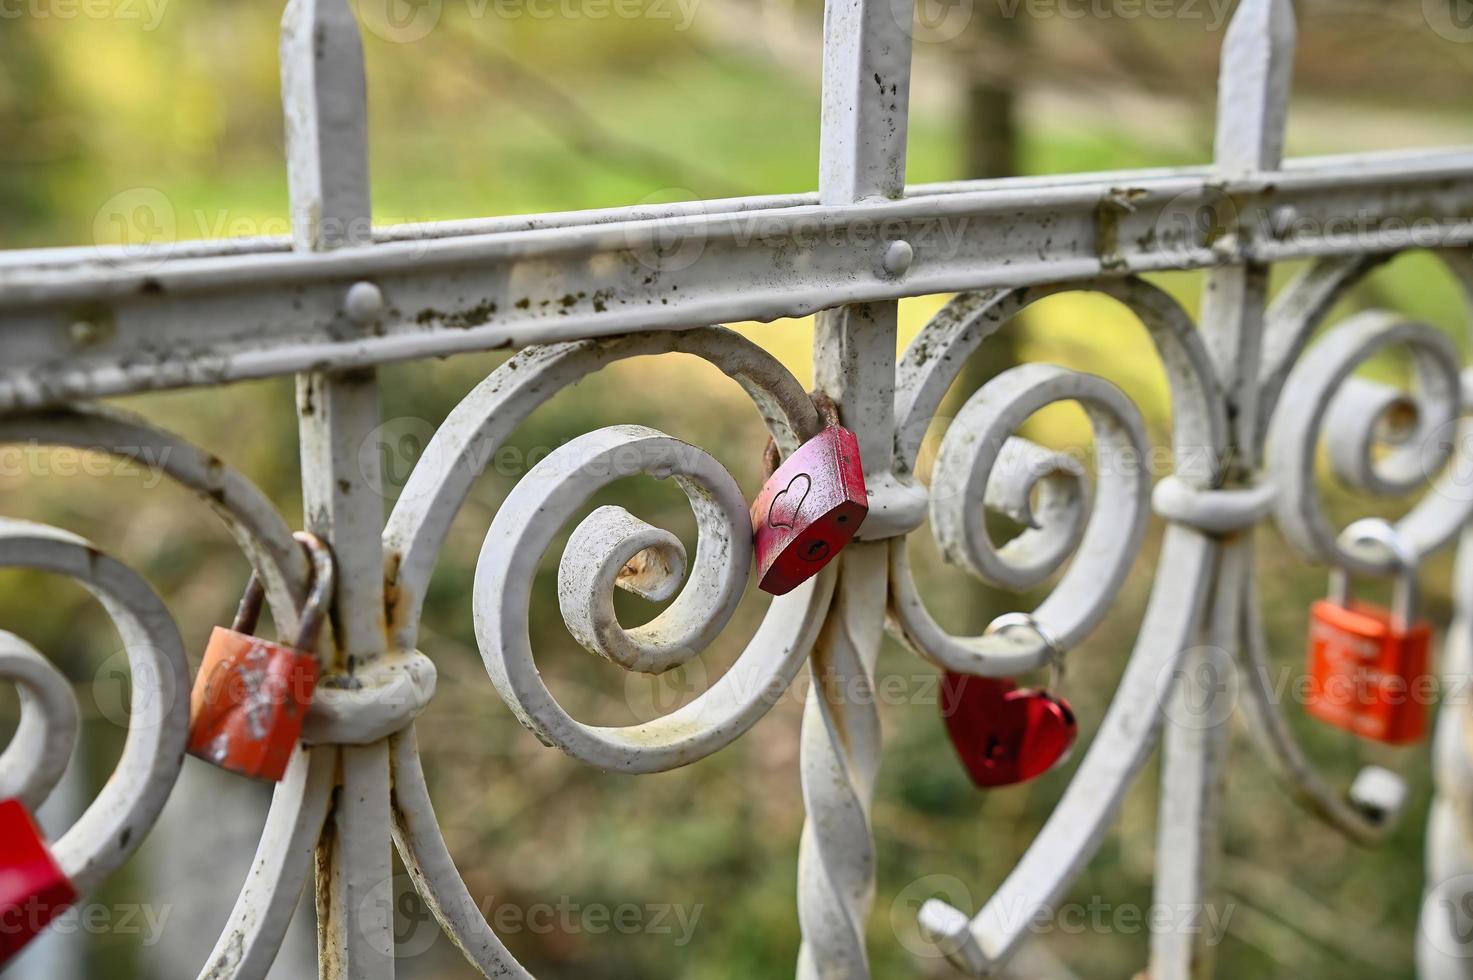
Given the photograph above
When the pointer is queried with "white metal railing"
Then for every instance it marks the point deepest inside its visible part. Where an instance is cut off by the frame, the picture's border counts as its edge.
(1251, 398)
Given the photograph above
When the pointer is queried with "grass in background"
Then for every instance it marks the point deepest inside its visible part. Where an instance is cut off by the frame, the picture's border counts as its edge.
(461, 128)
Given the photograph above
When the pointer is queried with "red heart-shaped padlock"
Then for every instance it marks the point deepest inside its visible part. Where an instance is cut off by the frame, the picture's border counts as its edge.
(1004, 735)
(33, 888)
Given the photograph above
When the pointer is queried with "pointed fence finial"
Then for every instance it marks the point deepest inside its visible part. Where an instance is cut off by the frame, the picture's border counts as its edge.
(1253, 86)
(324, 96)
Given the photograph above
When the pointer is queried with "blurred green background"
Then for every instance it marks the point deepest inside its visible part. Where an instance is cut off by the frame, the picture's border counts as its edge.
(159, 121)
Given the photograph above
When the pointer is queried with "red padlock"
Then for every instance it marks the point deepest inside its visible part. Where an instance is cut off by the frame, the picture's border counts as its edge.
(1004, 735)
(810, 507)
(1368, 666)
(251, 695)
(33, 888)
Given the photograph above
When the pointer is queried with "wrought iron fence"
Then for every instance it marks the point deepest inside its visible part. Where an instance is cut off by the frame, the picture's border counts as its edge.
(1252, 400)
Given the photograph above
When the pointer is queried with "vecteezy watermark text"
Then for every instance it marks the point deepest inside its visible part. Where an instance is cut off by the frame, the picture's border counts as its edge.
(144, 921)
(1212, 13)
(40, 459)
(407, 21)
(150, 13)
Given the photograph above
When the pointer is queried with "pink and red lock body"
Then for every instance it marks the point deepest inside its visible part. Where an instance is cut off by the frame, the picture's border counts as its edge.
(33, 888)
(808, 510)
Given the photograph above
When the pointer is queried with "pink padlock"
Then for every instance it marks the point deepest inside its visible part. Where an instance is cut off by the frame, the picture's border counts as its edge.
(33, 888)
(810, 507)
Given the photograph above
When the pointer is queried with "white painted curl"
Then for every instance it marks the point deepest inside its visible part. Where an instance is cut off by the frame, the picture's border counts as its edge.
(984, 465)
(982, 462)
(50, 720)
(258, 922)
(113, 826)
(1321, 380)
(550, 494)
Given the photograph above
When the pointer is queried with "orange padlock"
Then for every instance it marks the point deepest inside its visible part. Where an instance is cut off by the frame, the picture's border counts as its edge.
(251, 695)
(1368, 666)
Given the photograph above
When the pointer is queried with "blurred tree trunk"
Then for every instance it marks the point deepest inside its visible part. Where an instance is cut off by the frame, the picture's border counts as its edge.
(990, 124)
(26, 91)
(990, 133)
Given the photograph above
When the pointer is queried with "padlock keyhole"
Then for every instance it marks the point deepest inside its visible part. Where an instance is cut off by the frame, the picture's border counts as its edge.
(993, 752)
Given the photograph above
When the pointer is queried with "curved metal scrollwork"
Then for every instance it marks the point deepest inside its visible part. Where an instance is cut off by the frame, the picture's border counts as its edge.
(1381, 442)
(160, 679)
(609, 549)
(983, 462)
(50, 721)
(113, 826)
(341, 298)
(524, 527)
(967, 474)
(1083, 537)
(1323, 400)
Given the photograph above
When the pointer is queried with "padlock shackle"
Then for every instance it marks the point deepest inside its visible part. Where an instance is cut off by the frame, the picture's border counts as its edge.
(248, 613)
(319, 593)
(1025, 621)
(828, 414)
(1404, 596)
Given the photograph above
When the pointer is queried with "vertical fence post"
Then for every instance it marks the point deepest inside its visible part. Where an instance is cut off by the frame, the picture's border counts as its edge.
(866, 96)
(1252, 105)
(325, 101)
(1444, 949)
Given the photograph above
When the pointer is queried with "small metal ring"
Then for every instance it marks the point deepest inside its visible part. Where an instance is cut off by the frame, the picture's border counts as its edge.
(1385, 533)
(1022, 620)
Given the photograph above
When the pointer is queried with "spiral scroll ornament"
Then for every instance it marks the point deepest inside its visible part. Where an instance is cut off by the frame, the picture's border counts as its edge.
(115, 823)
(1090, 535)
(158, 712)
(524, 527)
(1380, 441)
(1323, 400)
(609, 549)
(983, 465)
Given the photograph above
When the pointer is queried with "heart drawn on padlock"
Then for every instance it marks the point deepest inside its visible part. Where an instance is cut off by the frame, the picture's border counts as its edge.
(1003, 735)
(784, 512)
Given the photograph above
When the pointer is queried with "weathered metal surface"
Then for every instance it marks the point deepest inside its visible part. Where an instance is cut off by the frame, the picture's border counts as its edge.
(1254, 394)
(159, 323)
(1441, 943)
(325, 102)
(115, 823)
(1252, 112)
(866, 106)
(984, 942)
(50, 721)
(523, 530)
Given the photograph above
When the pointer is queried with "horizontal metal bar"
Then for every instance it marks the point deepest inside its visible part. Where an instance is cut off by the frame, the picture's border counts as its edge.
(36, 260)
(80, 323)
